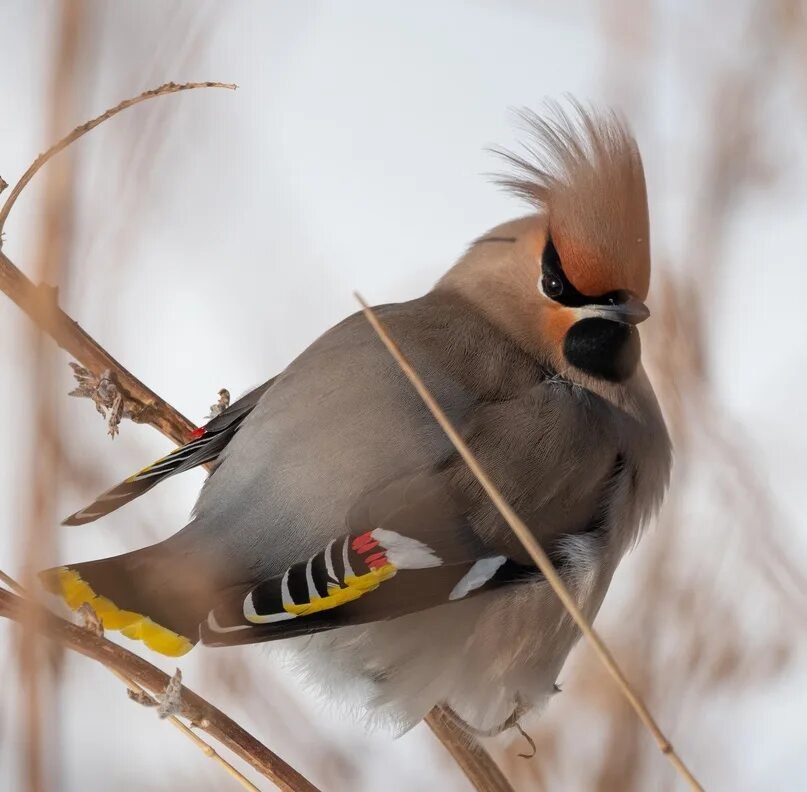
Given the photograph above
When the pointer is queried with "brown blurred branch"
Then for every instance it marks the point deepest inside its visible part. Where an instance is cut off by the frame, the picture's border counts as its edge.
(38, 540)
(29, 174)
(200, 713)
(535, 551)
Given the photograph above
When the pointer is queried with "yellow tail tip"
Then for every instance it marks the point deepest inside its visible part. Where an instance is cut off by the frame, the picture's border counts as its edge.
(75, 591)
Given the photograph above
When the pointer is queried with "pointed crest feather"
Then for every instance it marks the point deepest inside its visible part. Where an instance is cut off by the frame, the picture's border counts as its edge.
(564, 143)
(583, 171)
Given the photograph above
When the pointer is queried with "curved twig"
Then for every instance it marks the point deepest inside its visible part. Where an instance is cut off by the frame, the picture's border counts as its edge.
(29, 174)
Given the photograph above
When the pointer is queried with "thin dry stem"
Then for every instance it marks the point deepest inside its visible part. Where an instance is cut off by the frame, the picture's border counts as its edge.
(146, 698)
(11, 583)
(207, 749)
(534, 549)
(167, 88)
(139, 673)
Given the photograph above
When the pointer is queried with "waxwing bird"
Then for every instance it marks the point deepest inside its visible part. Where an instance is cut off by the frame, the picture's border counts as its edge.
(339, 517)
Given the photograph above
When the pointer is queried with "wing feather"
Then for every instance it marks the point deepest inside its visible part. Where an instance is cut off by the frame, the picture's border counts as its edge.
(212, 439)
(410, 550)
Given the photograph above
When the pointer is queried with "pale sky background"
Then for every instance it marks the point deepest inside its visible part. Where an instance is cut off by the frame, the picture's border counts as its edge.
(218, 233)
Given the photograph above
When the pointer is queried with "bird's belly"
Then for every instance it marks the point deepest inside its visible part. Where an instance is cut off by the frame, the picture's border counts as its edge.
(482, 656)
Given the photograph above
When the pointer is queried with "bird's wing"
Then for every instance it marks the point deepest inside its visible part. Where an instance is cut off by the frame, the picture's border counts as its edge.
(410, 548)
(205, 445)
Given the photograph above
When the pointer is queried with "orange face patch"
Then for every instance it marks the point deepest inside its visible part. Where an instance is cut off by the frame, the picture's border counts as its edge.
(556, 321)
(587, 271)
(594, 272)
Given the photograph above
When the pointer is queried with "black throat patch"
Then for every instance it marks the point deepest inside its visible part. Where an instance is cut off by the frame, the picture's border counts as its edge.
(603, 348)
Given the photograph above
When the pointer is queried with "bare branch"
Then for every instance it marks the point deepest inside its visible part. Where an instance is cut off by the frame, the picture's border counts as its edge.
(29, 174)
(534, 549)
(471, 757)
(173, 691)
(142, 674)
(40, 303)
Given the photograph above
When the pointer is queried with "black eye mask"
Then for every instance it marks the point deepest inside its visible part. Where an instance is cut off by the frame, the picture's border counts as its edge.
(568, 295)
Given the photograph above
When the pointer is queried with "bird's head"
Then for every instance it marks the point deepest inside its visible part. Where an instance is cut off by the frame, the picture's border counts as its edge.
(569, 283)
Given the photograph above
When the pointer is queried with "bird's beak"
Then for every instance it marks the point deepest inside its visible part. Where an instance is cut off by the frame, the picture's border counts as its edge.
(630, 311)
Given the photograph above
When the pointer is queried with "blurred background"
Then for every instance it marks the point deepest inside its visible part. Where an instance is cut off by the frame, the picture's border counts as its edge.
(206, 238)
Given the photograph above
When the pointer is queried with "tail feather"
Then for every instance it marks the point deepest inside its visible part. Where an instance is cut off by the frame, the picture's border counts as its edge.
(144, 594)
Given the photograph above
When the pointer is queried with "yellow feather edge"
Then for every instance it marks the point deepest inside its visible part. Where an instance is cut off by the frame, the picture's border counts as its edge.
(357, 585)
(75, 591)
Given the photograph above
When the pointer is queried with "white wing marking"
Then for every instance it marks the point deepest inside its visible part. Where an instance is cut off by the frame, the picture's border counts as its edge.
(479, 574)
(405, 552)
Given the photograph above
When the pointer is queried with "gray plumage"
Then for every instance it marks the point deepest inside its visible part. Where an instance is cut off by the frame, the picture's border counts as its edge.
(341, 444)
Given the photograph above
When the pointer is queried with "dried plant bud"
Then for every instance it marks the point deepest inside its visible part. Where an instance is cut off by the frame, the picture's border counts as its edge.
(171, 699)
(141, 697)
(221, 405)
(90, 620)
(108, 398)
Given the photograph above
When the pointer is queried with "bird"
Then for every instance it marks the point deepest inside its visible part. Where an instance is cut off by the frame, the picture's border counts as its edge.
(341, 523)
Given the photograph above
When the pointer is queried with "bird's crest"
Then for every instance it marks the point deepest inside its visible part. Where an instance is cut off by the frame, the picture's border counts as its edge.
(583, 171)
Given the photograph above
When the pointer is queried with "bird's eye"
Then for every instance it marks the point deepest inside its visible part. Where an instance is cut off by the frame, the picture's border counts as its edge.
(552, 286)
